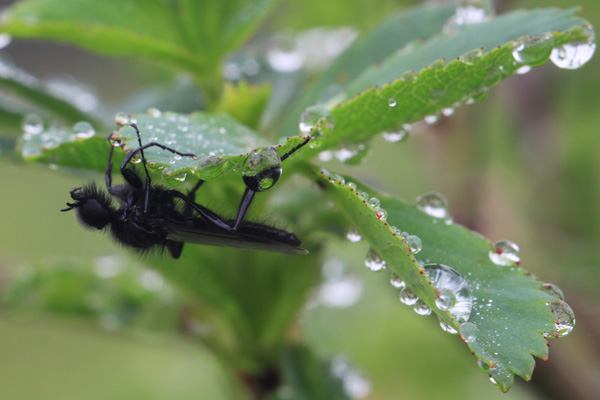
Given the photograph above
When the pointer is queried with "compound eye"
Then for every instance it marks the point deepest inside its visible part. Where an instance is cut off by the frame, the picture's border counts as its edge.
(262, 169)
(93, 213)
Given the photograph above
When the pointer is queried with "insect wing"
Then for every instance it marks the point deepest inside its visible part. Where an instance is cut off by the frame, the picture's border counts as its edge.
(248, 236)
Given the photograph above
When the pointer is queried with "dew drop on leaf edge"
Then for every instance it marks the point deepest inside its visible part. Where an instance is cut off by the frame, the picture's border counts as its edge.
(505, 253)
(262, 169)
(455, 289)
(575, 55)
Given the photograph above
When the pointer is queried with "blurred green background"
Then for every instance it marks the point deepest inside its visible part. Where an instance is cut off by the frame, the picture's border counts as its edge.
(524, 164)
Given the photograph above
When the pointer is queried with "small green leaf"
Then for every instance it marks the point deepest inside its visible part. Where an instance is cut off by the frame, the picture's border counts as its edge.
(219, 143)
(189, 35)
(115, 293)
(26, 93)
(61, 146)
(388, 95)
(509, 310)
(308, 378)
(392, 34)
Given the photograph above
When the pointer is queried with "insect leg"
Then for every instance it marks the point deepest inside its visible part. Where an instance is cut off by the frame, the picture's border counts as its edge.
(244, 205)
(203, 211)
(289, 153)
(108, 174)
(140, 149)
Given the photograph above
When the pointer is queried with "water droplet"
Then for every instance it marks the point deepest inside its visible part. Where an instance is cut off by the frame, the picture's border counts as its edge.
(32, 124)
(397, 231)
(374, 262)
(432, 119)
(574, 55)
(450, 285)
(261, 169)
(394, 137)
(338, 290)
(353, 235)
(154, 112)
(353, 153)
(122, 118)
(173, 178)
(316, 121)
(285, 56)
(467, 13)
(448, 111)
(396, 281)
(523, 70)
(414, 243)
(408, 297)
(468, 331)
(448, 328)
(152, 281)
(354, 383)
(115, 140)
(409, 76)
(421, 308)
(471, 56)
(250, 67)
(351, 185)
(364, 196)
(505, 253)
(5, 40)
(326, 155)
(374, 202)
(335, 178)
(381, 214)
(83, 130)
(445, 300)
(565, 318)
(533, 50)
(485, 366)
(392, 102)
(433, 204)
(553, 291)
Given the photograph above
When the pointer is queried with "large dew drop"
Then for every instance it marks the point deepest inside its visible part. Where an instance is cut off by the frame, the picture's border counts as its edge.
(553, 291)
(533, 50)
(353, 235)
(565, 318)
(32, 124)
(433, 204)
(505, 253)
(122, 118)
(261, 169)
(374, 262)
(574, 55)
(469, 12)
(408, 297)
(83, 130)
(454, 293)
(421, 308)
(353, 153)
(315, 121)
(468, 331)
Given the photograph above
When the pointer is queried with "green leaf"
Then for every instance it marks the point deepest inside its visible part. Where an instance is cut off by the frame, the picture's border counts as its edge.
(390, 94)
(392, 34)
(23, 93)
(60, 146)
(189, 35)
(115, 293)
(219, 143)
(509, 308)
(307, 378)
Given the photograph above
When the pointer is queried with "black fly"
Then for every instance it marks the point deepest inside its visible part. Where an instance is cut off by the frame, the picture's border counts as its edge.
(152, 217)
